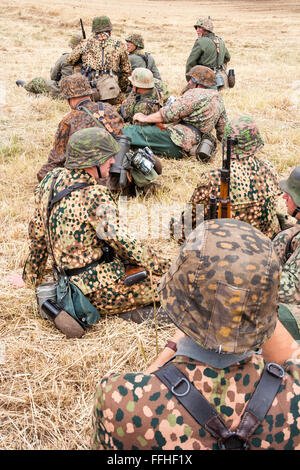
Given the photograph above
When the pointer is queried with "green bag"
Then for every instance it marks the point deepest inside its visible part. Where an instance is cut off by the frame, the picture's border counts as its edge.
(73, 301)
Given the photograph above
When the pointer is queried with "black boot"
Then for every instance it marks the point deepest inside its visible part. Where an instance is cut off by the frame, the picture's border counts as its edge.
(145, 313)
(20, 82)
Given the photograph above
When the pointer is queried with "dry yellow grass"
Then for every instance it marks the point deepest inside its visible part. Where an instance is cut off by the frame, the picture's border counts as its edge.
(47, 382)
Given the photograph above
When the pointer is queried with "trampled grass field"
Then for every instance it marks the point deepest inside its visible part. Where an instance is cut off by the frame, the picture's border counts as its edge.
(47, 382)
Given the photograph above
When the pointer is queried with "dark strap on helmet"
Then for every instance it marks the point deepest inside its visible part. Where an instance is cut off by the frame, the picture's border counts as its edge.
(205, 414)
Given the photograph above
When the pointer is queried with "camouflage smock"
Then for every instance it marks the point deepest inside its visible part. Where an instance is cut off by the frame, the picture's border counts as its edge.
(136, 411)
(204, 52)
(254, 188)
(115, 57)
(140, 58)
(146, 103)
(77, 223)
(289, 291)
(200, 107)
(74, 121)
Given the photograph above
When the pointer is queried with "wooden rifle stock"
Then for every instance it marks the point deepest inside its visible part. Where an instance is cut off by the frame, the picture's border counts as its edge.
(224, 209)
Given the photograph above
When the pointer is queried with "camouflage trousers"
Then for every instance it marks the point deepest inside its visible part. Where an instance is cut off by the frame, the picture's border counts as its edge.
(118, 298)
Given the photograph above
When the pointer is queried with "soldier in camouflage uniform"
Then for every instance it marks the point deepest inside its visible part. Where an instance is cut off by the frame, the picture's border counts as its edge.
(77, 91)
(287, 247)
(254, 185)
(60, 70)
(225, 303)
(103, 55)
(82, 224)
(138, 57)
(208, 50)
(195, 114)
(148, 95)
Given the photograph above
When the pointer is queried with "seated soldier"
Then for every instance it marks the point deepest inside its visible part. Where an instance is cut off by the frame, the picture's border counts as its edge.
(193, 116)
(254, 185)
(84, 113)
(217, 391)
(60, 70)
(83, 235)
(138, 57)
(148, 95)
(287, 247)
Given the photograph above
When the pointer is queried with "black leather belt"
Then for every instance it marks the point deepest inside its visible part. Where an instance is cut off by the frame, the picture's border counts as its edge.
(76, 271)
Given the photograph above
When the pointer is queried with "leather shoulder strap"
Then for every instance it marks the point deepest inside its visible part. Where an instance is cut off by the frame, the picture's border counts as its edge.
(205, 414)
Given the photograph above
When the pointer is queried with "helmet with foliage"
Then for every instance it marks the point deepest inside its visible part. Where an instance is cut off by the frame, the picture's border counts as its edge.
(90, 147)
(101, 24)
(202, 75)
(205, 23)
(142, 78)
(136, 39)
(75, 39)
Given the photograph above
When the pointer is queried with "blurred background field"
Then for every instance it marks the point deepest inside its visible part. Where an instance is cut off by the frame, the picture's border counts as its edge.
(47, 382)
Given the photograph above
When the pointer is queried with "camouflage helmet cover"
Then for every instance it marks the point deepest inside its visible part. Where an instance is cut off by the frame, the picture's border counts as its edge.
(142, 78)
(75, 39)
(291, 186)
(136, 39)
(244, 131)
(90, 147)
(74, 86)
(222, 289)
(205, 23)
(203, 75)
(101, 24)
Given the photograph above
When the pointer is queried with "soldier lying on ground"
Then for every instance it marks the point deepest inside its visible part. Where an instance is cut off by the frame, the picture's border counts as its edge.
(148, 95)
(192, 116)
(77, 230)
(60, 70)
(254, 185)
(287, 247)
(225, 303)
(138, 57)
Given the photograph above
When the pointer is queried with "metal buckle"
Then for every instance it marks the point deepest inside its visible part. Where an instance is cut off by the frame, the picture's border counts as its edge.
(277, 371)
(242, 444)
(184, 380)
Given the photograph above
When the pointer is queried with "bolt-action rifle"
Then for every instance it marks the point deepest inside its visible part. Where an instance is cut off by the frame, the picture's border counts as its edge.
(82, 29)
(221, 207)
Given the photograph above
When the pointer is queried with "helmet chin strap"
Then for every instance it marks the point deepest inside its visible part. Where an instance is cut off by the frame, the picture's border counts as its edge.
(296, 211)
(99, 171)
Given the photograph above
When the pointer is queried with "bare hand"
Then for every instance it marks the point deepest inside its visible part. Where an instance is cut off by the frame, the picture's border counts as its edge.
(140, 117)
(16, 280)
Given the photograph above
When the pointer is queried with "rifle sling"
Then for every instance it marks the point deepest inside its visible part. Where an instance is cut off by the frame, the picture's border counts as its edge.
(205, 414)
(54, 200)
(100, 121)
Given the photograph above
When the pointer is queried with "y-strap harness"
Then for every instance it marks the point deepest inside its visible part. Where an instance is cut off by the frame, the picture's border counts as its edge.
(205, 414)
